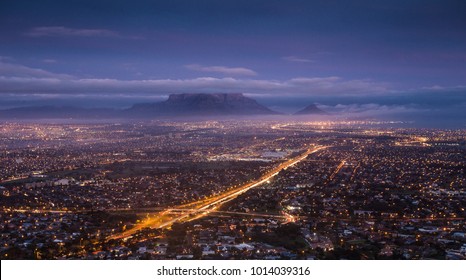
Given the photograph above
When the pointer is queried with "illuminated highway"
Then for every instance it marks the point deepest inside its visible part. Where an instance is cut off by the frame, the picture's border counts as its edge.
(339, 167)
(200, 208)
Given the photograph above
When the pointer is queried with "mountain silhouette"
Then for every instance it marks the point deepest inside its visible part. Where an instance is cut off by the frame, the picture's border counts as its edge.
(311, 110)
(202, 104)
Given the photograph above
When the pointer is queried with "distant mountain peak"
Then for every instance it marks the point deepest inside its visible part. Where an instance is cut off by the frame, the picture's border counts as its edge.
(312, 109)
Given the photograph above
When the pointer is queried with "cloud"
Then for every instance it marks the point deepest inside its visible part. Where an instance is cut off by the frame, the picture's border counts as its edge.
(234, 71)
(20, 79)
(358, 108)
(338, 85)
(8, 69)
(443, 88)
(61, 31)
(374, 109)
(163, 86)
(297, 59)
(48, 60)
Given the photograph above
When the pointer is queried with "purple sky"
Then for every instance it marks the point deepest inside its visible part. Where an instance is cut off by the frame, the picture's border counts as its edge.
(283, 53)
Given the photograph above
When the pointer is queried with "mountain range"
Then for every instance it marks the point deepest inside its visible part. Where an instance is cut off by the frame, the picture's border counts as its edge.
(177, 105)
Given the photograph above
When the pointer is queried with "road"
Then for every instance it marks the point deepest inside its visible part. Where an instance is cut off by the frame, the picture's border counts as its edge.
(339, 167)
(203, 207)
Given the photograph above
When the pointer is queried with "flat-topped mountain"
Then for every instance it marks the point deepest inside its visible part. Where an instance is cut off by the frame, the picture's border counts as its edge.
(311, 110)
(202, 104)
(184, 105)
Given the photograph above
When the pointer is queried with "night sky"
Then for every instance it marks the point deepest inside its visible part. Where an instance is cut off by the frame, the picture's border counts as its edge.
(348, 55)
